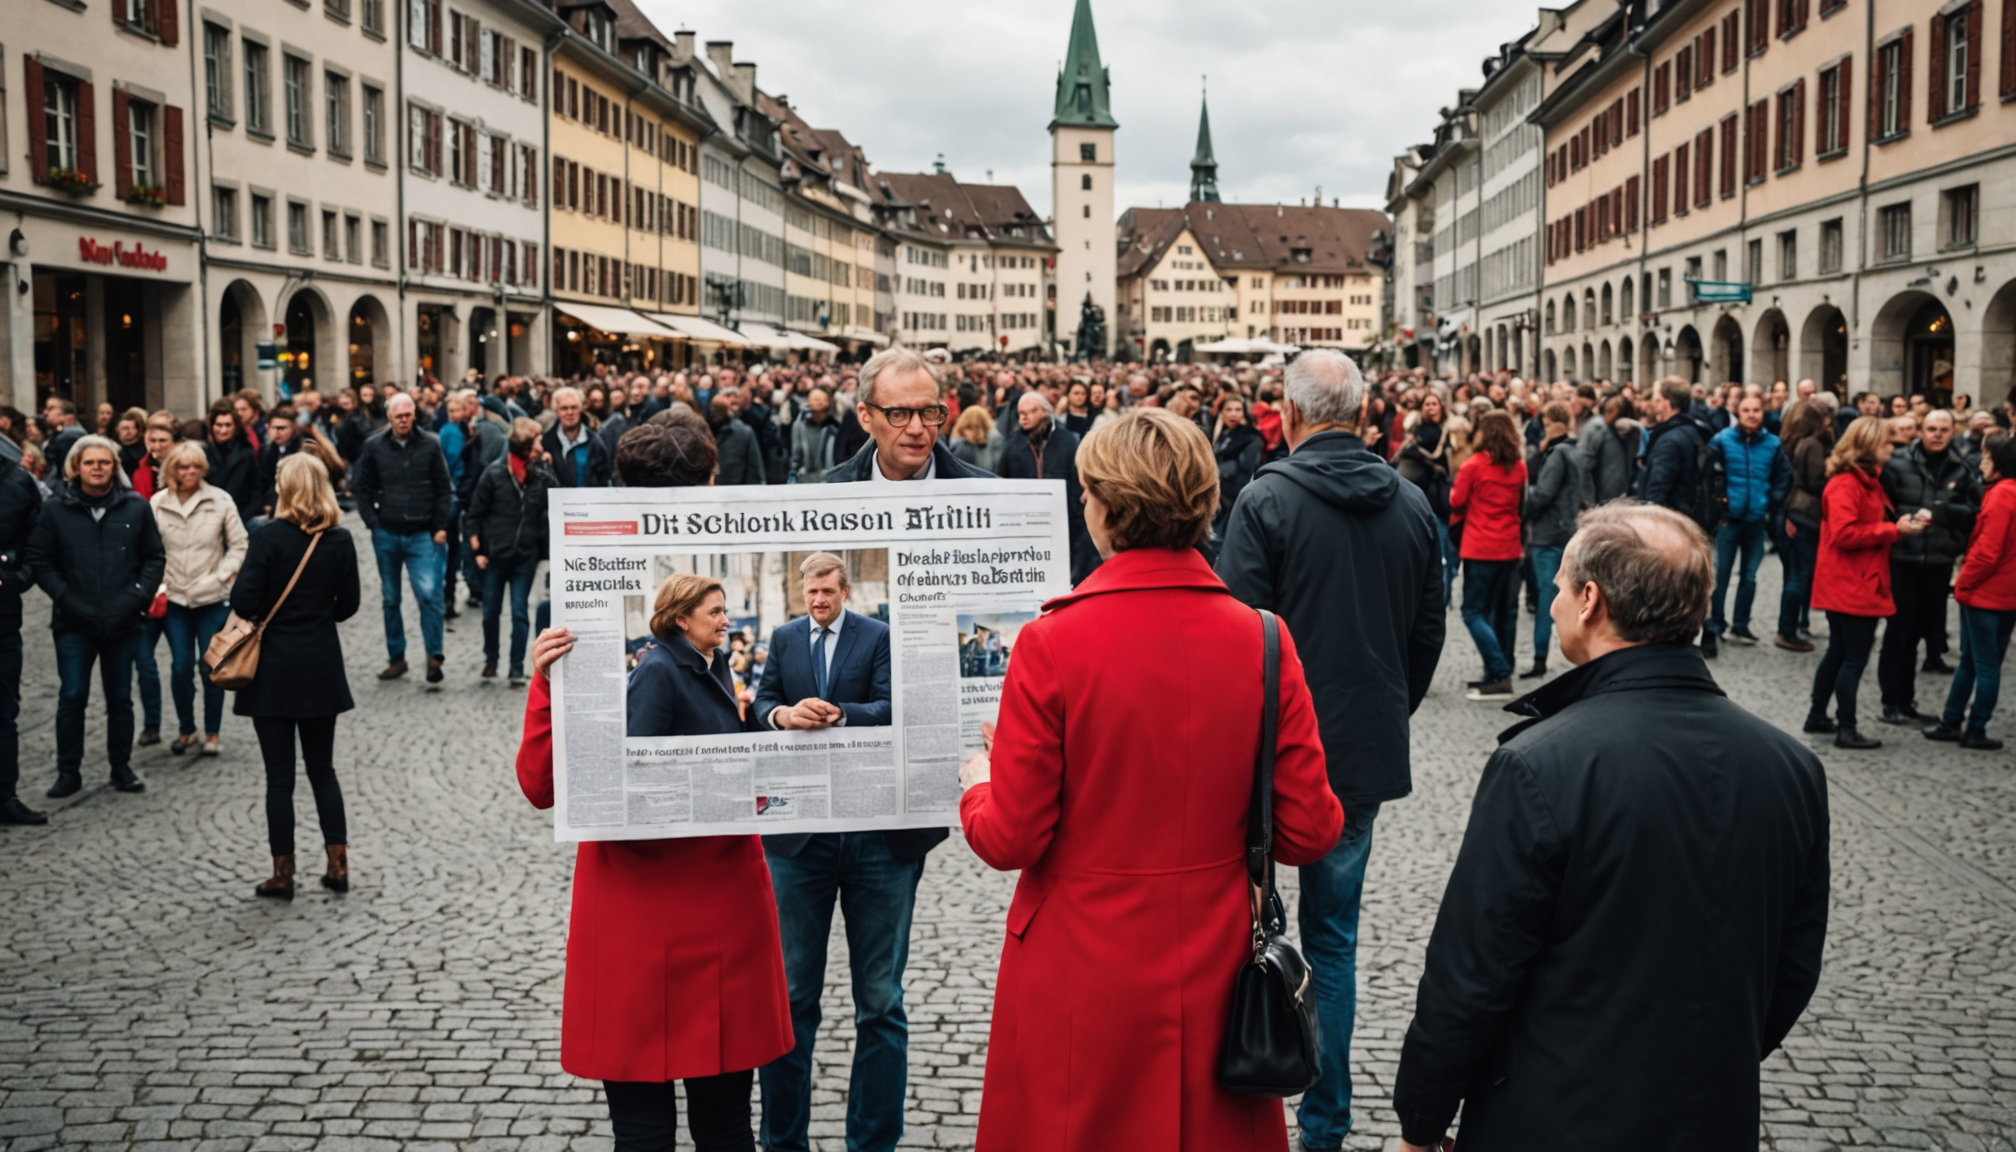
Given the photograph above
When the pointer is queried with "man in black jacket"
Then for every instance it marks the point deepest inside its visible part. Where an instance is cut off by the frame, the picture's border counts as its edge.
(873, 875)
(20, 506)
(97, 553)
(581, 459)
(1671, 469)
(1927, 474)
(741, 457)
(408, 502)
(507, 535)
(1346, 552)
(1636, 916)
(1041, 450)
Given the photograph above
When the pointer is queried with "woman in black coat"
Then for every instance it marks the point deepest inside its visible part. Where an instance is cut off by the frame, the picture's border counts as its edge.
(234, 464)
(300, 687)
(1239, 448)
(682, 685)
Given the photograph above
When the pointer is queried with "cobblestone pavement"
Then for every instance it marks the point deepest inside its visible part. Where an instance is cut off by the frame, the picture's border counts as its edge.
(148, 1001)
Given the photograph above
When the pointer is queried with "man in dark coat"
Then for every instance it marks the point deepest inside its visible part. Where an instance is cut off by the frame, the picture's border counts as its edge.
(1925, 474)
(740, 455)
(408, 502)
(507, 535)
(581, 459)
(97, 553)
(1346, 553)
(1671, 473)
(873, 875)
(1041, 450)
(1636, 916)
(20, 507)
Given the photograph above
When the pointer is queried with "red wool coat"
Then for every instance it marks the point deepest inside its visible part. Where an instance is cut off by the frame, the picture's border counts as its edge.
(1123, 800)
(1988, 575)
(1485, 501)
(674, 968)
(1852, 573)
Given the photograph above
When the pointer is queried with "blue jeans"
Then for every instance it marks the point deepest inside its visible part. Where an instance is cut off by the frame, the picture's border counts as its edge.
(189, 632)
(149, 673)
(1450, 561)
(1747, 537)
(1800, 553)
(1984, 641)
(1328, 918)
(1491, 612)
(877, 894)
(1546, 566)
(516, 575)
(114, 655)
(425, 562)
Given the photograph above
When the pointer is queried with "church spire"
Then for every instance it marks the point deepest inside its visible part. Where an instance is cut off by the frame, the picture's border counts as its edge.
(1083, 87)
(1204, 165)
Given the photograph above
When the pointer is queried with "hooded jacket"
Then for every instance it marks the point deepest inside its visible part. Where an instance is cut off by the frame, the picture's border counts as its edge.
(1346, 553)
(1561, 490)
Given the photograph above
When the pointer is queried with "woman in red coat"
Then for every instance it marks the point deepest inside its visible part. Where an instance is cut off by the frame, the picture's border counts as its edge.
(674, 970)
(1485, 502)
(1986, 591)
(1124, 804)
(1851, 578)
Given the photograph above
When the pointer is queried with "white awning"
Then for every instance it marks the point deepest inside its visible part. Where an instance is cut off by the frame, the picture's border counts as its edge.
(765, 336)
(857, 332)
(695, 328)
(804, 343)
(618, 320)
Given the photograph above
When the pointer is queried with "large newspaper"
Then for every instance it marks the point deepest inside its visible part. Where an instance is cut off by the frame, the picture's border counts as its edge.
(940, 577)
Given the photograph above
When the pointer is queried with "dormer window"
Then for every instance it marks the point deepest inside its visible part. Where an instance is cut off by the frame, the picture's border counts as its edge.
(1299, 255)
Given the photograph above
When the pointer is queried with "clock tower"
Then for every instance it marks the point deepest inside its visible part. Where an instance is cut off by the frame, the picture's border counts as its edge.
(1081, 184)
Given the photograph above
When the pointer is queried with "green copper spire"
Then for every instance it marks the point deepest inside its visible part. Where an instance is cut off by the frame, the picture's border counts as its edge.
(1083, 87)
(1204, 166)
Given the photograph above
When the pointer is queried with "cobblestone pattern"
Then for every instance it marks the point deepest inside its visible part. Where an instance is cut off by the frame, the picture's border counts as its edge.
(148, 1002)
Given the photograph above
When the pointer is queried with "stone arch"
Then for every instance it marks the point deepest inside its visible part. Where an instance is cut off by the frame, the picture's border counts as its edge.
(1549, 321)
(1603, 359)
(312, 359)
(1609, 313)
(1588, 362)
(1568, 313)
(1686, 355)
(1648, 359)
(1588, 307)
(1725, 352)
(1625, 364)
(1823, 349)
(1626, 306)
(1771, 349)
(1998, 349)
(1158, 352)
(1567, 363)
(1548, 364)
(1899, 338)
(241, 327)
(369, 343)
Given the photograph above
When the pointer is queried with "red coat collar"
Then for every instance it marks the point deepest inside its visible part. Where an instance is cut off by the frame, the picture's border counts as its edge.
(1141, 569)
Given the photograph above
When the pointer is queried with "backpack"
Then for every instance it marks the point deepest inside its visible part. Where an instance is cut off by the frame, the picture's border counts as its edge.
(1711, 487)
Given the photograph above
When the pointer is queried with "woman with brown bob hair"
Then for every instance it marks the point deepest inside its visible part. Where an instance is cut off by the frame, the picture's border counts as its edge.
(1126, 813)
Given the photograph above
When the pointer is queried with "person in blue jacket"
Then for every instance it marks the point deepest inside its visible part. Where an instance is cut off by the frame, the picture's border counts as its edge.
(1757, 475)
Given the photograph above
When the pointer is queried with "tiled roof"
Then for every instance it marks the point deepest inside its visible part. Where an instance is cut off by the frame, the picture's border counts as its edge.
(1234, 236)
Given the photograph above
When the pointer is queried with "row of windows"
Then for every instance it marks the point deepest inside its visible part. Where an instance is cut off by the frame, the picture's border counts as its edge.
(924, 321)
(743, 183)
(578, 101)
(811, 310)
(442, 249)
(1189, 314)
(347, 123)
(915, 286)
(597, 194)
(928, 257)
(468, 47)
(719, 232)
(1188, 286)
(1309, 307)
(744, 295)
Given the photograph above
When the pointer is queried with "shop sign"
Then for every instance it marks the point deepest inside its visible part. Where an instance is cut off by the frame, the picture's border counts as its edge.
(91, 251)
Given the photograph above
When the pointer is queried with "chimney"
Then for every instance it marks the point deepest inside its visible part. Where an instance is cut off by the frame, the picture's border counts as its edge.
(722, 54)
(745, 82)
(1319, 196)
(682, 46)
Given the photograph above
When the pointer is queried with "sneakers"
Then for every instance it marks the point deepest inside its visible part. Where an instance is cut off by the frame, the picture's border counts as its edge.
(433, 669)
(1496, 690)
(393, 671)
(1980, 741)
(517, 680)
(1850, 738)
(1792, 643)
(1742, 635)
(1708, 645)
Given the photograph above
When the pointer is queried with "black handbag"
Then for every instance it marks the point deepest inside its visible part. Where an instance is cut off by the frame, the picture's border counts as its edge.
(1271, 1038)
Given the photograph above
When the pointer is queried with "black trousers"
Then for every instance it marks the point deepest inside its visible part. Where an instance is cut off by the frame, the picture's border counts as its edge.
(1920, 593)
(645, 1115)
(1849, 640)
(318, 754)
(10, 713)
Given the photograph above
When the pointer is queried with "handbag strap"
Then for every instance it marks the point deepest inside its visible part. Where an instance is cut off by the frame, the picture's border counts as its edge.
(1260, 813)
(313, 540)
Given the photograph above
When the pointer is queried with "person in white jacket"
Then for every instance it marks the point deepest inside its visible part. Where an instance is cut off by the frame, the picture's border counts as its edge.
(205, 542)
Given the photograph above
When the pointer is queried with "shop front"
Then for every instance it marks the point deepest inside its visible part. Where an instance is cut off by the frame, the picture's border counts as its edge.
(585, 335)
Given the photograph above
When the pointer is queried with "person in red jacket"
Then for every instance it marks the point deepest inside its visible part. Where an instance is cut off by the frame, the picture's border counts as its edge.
(1130, 919)
(674, 968)
(1986, 591)
(1851, 578)
(1484, 503)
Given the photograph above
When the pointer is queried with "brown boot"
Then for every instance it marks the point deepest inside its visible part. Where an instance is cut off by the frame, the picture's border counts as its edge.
(393, 671)
(337, 879)
(281, 886)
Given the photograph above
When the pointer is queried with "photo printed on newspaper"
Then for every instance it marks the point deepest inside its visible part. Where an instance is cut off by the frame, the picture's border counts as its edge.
(869, 629)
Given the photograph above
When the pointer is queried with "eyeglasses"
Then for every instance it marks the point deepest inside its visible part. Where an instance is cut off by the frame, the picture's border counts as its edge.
(932, 414)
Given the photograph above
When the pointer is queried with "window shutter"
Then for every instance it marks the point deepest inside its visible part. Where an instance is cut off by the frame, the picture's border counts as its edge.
(1935, 88)
(38, 126)
(87, 130)
(1877, 70)
(1799, 121)
(1973, 18)
(171, 154)
(434, 28)
(2008, 48)
(168, 21)
(1904, 81)
(122, 146)
(1845, 102)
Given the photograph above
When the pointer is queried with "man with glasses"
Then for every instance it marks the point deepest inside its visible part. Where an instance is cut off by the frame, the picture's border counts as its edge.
(873, 875)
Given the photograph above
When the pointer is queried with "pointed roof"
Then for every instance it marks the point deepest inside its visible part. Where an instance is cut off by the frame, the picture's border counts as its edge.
(1084, 90)
(1204, 165)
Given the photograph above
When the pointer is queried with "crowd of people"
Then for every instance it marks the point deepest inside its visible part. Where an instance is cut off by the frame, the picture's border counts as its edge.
(1618, 517)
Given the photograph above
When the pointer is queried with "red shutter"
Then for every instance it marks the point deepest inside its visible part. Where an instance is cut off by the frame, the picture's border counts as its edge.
(1876, 74)
(1799, 120)
(1845, 102)
(1974, 54)
(1707, 57)
(171, 154)
(1904, 81)
(38, 126)
(1935, 88)
(168, 21)
(434, 28)
(122, 146)
(1631, 201)
(2008, 47)
(87, 130)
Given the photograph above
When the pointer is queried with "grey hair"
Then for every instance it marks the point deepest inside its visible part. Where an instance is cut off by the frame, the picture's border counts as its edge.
(902, 360)
(1827, 400)
(1653, 595)
(1041, 400)
(1327, 387)
(76, 457)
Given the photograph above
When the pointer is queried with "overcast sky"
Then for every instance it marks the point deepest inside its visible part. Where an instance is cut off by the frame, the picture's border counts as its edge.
(1303, 92)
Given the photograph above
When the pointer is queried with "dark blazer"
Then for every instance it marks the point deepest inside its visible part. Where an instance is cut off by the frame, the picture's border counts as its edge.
(234, 467)
(301, 659)
(674, 692)
(1055, 459)
(1634, 922)
(858, 683)
(949, 467)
